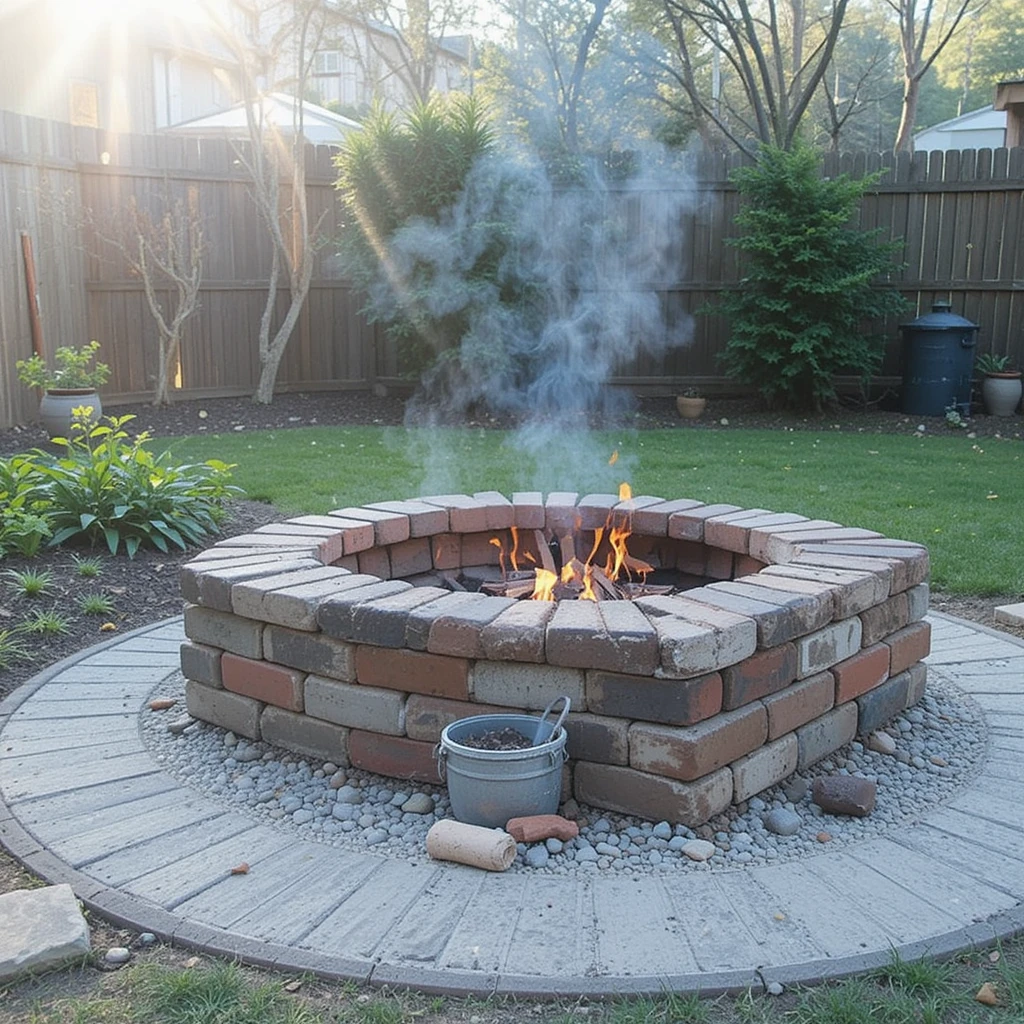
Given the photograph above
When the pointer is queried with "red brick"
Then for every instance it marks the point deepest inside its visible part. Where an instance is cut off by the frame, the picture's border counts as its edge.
(747, 566)
(719, 564)
(413, 671)
(908, 646)
(651, 796)
(759, 675)
(863, 672)
(374, 562)
(669, 701)
(410, 557)
(263, 681)
(884, 618)
(691, 557)
(694, 751)
(394, 756)
(731, 530)
(477, 549)
(799, 704)
(446, 550)
(689, 524)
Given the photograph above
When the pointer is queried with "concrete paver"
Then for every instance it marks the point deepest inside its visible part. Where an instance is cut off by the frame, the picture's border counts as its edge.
(82, 801)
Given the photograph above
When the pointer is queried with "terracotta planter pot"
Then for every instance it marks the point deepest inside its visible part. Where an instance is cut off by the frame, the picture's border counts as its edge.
(690, 408)
(1001, 392)
(56, 405)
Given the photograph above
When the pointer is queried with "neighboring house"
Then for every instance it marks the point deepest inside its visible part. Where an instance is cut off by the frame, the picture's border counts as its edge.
(123, 67)
(984, 128)
(355, 65)
(319, 126)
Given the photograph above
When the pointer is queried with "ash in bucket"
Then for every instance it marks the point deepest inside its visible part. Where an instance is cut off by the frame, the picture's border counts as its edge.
(497, 739)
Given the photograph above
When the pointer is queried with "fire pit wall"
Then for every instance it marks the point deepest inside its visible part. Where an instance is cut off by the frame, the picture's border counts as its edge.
(332, 636)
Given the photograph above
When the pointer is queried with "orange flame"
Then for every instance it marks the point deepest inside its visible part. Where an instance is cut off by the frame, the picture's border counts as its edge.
(513, 558)
(587, 593)
(625, 492)
(614, 458)
(544, 585)
(501, 553)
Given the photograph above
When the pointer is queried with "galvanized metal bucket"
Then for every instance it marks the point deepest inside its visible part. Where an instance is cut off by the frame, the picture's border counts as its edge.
(488, 787)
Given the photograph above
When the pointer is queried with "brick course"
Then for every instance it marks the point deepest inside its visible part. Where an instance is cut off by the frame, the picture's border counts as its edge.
(909, 645)
(394, 756)
(263, 681)
(413, 671)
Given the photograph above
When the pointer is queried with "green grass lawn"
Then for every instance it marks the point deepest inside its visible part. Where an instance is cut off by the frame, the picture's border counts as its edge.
(962, 498)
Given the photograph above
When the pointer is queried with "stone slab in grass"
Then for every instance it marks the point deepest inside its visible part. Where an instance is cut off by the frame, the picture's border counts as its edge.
(42, 928)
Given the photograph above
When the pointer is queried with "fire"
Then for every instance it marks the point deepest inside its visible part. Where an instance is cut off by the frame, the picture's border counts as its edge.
(582, 580)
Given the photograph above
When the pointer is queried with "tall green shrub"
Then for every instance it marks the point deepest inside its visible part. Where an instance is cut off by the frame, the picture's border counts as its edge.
(399, 183)
(799, 315)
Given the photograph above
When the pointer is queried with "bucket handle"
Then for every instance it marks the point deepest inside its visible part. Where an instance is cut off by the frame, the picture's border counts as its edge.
(558, 722)
(441, 756)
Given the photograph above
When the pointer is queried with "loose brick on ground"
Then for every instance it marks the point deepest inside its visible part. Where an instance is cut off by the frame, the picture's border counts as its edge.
(413, 671)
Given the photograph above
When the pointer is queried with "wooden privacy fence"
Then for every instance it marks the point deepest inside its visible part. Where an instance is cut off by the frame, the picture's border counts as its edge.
(960, 215)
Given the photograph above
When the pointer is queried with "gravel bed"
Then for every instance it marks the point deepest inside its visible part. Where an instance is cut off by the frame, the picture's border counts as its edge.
(939, 746)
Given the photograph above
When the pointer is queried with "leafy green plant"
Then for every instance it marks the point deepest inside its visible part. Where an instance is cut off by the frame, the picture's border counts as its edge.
(954, 419)
(72, 372)
(989, 362)
(113, 489)
(95, 604)
(30, 583)
(809, 287)
(12, 648)
(24, 524)
(48, 623)
(87, 567)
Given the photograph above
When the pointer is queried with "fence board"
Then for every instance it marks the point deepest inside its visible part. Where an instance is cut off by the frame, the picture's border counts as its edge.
(960, 216)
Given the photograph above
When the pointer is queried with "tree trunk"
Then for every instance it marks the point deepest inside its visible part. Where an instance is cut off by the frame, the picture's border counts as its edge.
(271, 361)
(168, 360)
(911, 95)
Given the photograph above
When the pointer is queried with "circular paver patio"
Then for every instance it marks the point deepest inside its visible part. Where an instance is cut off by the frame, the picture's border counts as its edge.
(82, 801)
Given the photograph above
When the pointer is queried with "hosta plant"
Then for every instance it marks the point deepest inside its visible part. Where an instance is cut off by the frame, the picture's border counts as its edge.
(110, 488)
(24, 523)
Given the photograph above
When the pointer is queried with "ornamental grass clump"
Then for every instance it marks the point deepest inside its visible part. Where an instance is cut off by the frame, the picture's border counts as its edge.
(810, 285)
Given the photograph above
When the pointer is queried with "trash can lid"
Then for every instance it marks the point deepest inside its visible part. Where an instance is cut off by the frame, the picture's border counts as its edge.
(939, 319)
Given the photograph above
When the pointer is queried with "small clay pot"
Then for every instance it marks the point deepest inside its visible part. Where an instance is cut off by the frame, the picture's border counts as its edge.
(690, 408)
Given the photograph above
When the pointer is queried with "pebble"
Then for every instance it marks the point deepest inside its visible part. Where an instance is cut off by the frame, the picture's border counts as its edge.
(782, 822)
(775, 988)
(179, 725)
(698, 849)
(147, 939)
(418, 803)
(117, 955)
(355, 810)
(882, 743)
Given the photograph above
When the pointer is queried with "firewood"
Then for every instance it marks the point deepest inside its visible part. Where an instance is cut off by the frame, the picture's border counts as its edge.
(547, 560)
(568, 546)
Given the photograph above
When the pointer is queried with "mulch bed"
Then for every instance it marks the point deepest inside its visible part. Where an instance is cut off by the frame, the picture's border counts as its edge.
(144, 589)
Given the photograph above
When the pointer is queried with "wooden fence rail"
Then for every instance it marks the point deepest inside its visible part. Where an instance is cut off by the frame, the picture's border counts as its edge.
(960, 214)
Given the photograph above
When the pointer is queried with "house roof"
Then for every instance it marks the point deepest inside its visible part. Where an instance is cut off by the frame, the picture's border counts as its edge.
(320, 125)
(983, 117)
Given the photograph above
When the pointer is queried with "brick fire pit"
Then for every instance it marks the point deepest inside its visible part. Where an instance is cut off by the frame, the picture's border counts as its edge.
(332, 636)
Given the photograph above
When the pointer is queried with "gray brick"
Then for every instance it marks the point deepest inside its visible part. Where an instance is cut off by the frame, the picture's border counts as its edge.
(356, 706)
(560, 512)
(457, 632)
(854, 590)
(382, 622)
(214, 559)
(824, 735)
(311, 652)
(424, 520)
(335, 613)
(287, 599)
(465, 514)
(765, 767)
(220, 707)
(526, 686)
(828, 647)
(670, 701)
(652, 521)
(201, 663)
(918, 679)
(884, 702)
(528, 510)
(517, 634)
(917, 598)
(222, 629)
(811, 611)
(214, 584)
(597, 738)
(417, 629)
(305, 735)
(388, 527)
(500, 513)
(689, 523)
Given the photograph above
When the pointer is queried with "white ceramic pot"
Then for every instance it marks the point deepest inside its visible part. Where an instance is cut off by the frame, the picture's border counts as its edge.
(1001, 393)
(56, 407)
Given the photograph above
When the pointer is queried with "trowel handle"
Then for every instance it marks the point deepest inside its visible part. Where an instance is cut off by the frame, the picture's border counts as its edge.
(558, 722)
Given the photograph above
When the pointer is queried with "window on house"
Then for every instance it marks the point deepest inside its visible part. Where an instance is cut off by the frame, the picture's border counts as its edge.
(85, 104)
(327, 62)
